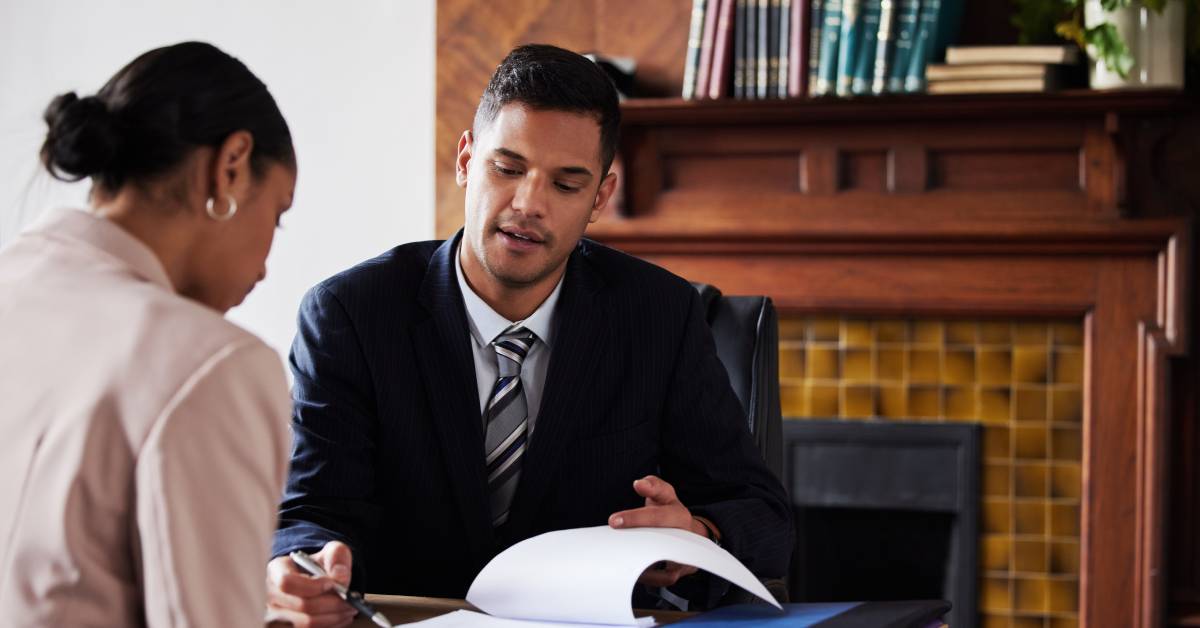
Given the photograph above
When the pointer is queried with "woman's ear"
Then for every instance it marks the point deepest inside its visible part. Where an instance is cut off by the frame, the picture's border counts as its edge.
(231, 167)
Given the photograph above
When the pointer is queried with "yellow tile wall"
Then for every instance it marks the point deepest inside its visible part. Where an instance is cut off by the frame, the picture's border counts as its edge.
(1022, 380)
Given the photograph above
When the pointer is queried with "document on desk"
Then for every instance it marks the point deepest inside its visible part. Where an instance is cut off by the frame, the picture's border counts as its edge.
(585, 576)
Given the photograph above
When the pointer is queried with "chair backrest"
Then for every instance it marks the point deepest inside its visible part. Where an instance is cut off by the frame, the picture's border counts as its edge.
(746, 332)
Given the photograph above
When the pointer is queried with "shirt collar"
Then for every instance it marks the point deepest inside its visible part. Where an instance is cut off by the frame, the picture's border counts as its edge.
(486, 324)
(107, 237)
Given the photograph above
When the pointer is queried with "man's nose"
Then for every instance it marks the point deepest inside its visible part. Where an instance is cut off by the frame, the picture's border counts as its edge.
(530, 198)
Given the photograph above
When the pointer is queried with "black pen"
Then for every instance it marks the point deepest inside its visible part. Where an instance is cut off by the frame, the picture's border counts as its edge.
(353, 598)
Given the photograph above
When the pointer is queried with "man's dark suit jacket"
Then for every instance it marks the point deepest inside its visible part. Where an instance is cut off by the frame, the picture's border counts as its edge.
(388, 437)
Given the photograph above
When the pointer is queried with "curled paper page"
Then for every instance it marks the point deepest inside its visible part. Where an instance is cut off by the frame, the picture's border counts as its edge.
(586, 575)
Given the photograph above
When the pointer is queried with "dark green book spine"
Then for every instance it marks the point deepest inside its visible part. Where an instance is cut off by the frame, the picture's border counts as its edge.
(831, 32)
(864, 69)
(923, 45)
(815, 28)
(739, 50)
(948, 27)
(851, 41)
(884, 46)
(907, 12)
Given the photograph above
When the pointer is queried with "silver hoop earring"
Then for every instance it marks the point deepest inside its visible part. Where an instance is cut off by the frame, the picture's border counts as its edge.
(208, 207)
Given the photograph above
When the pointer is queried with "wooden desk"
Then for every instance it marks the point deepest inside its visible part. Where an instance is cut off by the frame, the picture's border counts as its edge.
(402, 609)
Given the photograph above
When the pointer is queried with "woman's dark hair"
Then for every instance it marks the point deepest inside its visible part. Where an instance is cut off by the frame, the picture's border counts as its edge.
(550, 78)
(148, 116)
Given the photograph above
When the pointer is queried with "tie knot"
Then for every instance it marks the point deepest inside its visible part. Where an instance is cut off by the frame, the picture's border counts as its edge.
(512, 346)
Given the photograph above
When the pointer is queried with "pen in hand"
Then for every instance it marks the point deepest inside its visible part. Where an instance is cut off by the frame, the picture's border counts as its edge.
(353, 598)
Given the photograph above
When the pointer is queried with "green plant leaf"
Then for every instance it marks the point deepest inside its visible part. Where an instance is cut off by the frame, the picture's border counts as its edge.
(1155, 5)
(1106, 45)
(1113, 5)
(1035, 19)
(1072, 30)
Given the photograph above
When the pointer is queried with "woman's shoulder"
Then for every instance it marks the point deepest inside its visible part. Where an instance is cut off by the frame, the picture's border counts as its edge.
(173, 343)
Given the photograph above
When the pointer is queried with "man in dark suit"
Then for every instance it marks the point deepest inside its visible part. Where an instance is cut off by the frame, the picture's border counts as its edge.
(453, 398)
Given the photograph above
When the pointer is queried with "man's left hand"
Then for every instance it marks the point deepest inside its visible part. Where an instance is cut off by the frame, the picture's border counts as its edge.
(662, 510)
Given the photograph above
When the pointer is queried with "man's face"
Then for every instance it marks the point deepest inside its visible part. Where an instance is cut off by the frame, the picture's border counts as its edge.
(533, 184)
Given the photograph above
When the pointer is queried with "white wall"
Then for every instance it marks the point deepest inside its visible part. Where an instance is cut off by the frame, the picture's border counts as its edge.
(355, 81)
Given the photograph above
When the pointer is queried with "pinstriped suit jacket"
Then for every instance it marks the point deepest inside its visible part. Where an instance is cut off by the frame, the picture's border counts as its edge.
(388, 439)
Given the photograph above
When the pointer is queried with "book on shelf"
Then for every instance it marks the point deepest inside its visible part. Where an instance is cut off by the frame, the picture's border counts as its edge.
(739, 49)
(991, 85)
(937, 26)
(864, 64)
(751, 26)
(883, 45)
(905, 32)
(772, 76)
(785, 48)
(849, 44)
(1012, 54)
(914, 77)
(816, 26)
(707, 46)
(946, 72)
(723, 50)
(798, 49)
(763, 65)
(692, 60)
(831, 33)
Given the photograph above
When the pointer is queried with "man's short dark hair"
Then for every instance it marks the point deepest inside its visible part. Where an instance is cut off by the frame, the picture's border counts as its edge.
(550, 78)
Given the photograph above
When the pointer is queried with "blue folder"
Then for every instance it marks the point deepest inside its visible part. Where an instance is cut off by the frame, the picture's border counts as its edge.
(905, 614)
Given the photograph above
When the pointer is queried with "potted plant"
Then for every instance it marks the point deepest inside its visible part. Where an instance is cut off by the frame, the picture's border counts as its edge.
(1130, 43)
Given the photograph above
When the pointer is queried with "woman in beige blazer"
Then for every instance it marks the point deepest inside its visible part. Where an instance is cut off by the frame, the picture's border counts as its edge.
(144, 437)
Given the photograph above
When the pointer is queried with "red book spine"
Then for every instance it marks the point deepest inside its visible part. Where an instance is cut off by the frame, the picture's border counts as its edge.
(798, 49)
(722, 63)
(706, 48)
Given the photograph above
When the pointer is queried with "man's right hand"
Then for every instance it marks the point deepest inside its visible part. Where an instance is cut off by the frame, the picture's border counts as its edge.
(307, 601)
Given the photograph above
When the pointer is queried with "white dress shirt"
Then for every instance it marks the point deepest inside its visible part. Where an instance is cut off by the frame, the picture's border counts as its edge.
(486, 325)
(145, 440)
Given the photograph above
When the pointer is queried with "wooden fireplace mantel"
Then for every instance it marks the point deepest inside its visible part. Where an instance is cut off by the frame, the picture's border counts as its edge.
(1072, 204)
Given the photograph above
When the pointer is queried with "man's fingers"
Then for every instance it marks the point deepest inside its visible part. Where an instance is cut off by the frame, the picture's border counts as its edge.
(655, 490)
(302, 585)
(336, 559)
(651, 517)
(278, 567)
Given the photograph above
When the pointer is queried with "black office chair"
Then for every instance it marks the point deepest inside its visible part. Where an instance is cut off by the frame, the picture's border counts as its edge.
(746, 332)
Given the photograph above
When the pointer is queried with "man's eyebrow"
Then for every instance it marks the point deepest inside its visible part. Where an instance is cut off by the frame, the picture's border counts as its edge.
(580, 170)
(511, 154)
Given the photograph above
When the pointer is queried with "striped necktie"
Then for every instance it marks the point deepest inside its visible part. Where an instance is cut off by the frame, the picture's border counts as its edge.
(506, 421)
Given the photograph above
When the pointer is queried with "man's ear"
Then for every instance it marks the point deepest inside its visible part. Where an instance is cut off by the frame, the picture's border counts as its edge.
(466, 144)
(230, 175)
(603, 195)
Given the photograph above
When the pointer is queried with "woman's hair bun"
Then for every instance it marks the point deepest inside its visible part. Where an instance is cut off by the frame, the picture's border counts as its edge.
(82, 139)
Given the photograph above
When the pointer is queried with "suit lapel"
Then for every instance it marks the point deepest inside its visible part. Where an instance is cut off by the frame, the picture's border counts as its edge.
(580, 330)
(444, 357)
